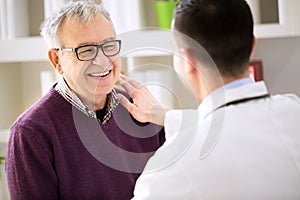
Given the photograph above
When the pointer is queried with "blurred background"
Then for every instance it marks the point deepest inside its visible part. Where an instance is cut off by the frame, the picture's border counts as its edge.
(26, 74)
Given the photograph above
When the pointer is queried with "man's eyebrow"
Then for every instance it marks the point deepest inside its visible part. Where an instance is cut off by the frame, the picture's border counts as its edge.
(92, 43)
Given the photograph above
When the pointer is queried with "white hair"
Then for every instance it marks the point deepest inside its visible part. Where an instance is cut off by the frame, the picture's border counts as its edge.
(83, 10)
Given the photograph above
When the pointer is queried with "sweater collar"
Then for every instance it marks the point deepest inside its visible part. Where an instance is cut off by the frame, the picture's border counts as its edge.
(112, 101)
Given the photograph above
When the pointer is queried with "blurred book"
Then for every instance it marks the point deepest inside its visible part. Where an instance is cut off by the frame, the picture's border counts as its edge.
(47, 79)
(256, 70)
(52, 5)
(125, 14)
(3, 21)
(17, 18)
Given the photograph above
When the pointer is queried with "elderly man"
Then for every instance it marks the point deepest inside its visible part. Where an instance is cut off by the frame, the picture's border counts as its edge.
(78, 142)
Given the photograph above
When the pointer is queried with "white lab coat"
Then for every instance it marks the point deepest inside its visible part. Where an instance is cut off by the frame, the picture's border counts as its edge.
(246, 150)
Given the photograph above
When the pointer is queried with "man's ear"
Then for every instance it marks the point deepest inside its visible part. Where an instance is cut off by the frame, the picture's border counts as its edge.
(190, 61)
(55, 60)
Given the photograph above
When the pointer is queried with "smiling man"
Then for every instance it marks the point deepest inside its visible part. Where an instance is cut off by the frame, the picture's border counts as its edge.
(89, 72)
(78, 142)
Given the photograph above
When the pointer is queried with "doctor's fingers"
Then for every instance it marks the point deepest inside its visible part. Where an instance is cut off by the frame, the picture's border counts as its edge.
(131, 81)
(133, 88)
(134, 110)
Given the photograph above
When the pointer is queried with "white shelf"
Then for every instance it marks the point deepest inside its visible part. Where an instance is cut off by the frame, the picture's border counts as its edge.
(146, 53)
(273, 31)
(30, 49)
(149, 42)
(146, 43)
(288, 21)
(23, 50)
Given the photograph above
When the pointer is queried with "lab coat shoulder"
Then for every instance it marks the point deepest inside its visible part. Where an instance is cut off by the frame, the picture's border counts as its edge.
(175, 120)
(156, 185)
(158, 176)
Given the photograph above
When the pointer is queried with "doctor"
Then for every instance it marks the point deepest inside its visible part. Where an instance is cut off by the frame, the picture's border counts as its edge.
(241, 142)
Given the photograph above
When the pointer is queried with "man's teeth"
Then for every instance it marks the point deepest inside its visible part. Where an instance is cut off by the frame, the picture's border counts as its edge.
(100, 74)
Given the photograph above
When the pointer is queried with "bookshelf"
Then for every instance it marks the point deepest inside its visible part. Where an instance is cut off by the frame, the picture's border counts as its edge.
(276, 18)
(23, 53)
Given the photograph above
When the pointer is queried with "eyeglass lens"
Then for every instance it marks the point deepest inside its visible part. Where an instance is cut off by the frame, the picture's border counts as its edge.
(89, 52)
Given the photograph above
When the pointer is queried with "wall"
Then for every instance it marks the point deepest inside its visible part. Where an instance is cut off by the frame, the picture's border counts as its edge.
(10, 107)
(158, 74)
(20, 88)
(281, 62)
(31, 82)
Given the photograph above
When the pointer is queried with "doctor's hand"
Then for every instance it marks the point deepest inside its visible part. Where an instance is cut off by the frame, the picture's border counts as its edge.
(145, 108)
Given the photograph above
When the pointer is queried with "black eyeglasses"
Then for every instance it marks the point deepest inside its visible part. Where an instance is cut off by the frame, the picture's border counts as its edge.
(90, 52)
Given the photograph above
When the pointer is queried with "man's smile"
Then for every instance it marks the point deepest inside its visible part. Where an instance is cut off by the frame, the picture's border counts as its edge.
(101, 74)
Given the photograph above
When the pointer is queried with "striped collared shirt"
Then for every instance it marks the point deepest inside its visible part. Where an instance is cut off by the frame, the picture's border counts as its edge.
(71, 97)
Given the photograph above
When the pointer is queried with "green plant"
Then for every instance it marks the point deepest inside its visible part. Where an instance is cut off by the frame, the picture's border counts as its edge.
(164, 10)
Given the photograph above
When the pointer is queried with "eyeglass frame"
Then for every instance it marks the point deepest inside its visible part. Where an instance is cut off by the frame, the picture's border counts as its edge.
(94, 45)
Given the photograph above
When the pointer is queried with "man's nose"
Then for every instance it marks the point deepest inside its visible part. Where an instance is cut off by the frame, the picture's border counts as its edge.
(101, 59)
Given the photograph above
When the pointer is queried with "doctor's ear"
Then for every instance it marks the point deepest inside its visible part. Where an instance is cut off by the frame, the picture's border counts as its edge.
(190, 61)
(54, 58)
(253, 45)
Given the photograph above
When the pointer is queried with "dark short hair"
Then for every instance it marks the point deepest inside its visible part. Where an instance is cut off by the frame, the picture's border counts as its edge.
(224, 28)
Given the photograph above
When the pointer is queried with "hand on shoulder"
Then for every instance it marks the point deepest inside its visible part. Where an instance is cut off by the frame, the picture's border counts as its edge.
(145, 107)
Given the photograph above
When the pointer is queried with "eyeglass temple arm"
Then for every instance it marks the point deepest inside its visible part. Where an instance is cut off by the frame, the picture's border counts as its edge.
(65, 49)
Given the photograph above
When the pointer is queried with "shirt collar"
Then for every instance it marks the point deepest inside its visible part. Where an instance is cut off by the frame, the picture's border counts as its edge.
(238, 83)
(112, 101)
(223, 96)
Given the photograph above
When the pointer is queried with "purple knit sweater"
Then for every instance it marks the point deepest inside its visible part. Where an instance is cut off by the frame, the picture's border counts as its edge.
(57, 152)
